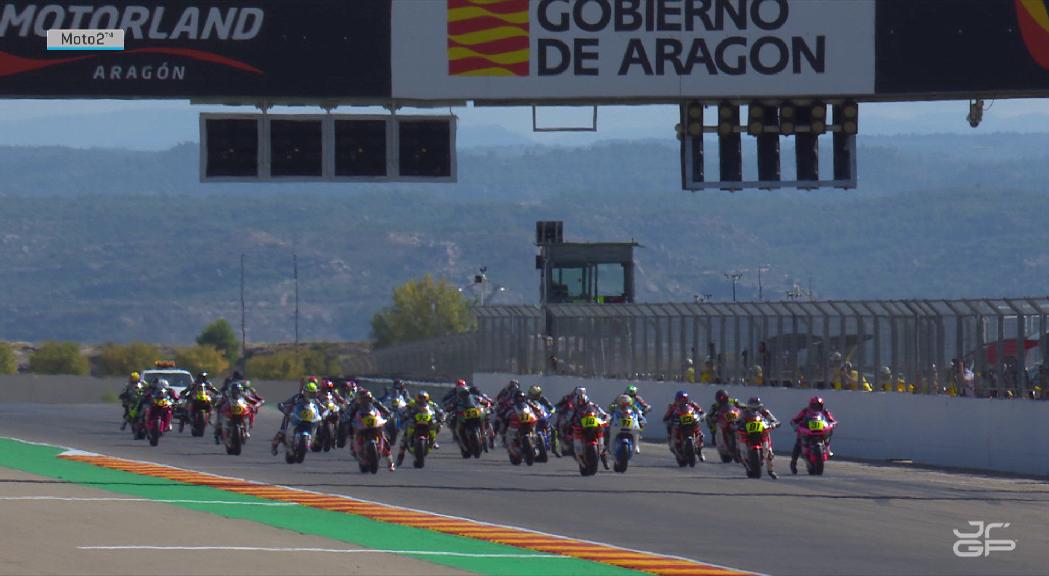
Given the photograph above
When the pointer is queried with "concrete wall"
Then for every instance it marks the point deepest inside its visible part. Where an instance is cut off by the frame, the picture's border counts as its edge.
(988, 434)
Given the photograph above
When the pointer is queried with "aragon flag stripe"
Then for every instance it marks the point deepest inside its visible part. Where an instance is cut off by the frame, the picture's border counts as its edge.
(488, 37)
(465, 66)
(475, 13)
(496, 6)
(482, 23)
(496, 46)
(504, 59)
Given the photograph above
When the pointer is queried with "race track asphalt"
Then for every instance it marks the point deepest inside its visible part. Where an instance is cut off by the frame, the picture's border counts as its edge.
(859, 518)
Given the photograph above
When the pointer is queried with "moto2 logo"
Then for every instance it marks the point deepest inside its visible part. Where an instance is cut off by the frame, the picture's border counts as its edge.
(979, 542)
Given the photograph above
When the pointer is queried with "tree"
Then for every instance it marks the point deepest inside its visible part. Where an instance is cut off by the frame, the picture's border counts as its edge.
(421, 309)
(201, 359)
(291, 365)
(58, 358)
(220, 335)
(8, 362)
(117, 360)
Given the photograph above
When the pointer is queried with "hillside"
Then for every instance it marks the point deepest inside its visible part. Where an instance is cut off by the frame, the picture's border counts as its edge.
(102, 245)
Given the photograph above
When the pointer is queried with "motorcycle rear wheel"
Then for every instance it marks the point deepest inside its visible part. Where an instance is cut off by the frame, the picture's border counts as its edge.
(528, 450)
(590, 457)
(154, 432)
(234, 443)
(420, 452)
(754, 464)
(373, 457)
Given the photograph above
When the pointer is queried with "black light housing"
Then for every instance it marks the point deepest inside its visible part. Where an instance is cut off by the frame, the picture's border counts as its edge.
(730, 144)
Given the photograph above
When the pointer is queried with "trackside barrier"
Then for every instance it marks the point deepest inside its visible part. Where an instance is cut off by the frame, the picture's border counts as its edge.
(975, 433)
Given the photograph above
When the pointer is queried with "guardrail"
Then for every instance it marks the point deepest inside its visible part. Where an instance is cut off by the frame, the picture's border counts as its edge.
(925, 345)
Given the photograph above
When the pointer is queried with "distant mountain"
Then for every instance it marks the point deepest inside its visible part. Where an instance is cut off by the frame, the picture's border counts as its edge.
(100, 245)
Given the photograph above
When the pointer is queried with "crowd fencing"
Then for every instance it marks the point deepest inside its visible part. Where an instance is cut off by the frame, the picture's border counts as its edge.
(927, 344)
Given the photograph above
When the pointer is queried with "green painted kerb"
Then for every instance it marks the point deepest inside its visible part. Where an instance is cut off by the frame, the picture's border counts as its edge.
(44, 461)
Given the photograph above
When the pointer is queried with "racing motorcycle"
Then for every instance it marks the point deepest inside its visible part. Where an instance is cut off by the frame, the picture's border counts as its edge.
(725, 433)
(135, 417)
(423, 434)
(815, 433)
(625, 433)
(587, 440)
(522, 440)
(686, 436)
(754, 441)
(369, 439)
(327, 430)
(397, 406)
(304, 419)
(469, 423)
(158, 416)
(199, 408)
(542, 432)
(234, 425)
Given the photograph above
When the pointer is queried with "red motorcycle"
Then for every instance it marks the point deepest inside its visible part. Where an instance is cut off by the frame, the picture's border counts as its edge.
(522, 440)
(725, 433)
(234, 425)
(588, 438)
(370, 439)
(815, 433)
(755, 437)
(687, 437)
(158, 417)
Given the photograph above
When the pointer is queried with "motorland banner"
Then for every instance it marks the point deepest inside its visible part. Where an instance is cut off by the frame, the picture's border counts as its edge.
(244, 50)
(623, 49)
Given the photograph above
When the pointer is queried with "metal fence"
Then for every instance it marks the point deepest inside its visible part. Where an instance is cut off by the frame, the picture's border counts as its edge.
(1002, 341)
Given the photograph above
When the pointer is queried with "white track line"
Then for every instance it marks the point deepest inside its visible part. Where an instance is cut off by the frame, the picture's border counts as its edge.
(97, 499)
(329, 550)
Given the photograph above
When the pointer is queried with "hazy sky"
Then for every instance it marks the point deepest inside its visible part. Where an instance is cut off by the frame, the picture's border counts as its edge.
(613, 121)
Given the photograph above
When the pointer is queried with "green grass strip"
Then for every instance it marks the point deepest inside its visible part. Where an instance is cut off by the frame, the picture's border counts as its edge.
(344, 527)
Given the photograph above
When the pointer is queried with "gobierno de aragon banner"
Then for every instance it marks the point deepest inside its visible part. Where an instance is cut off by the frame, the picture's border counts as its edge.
(307, 49)
(621, 49)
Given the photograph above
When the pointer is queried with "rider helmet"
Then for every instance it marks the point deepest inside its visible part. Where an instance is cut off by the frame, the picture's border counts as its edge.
(236, 389)
(681, 397)
(631, 390)
(202, 377)
(514, 385)
(134, 377)
(535, 392)
(364, 396)
(721, 397)
(625, 401)
(423, 397)
(816, 403)
(580, 395)
(460, 383)
(755, 404)
(310, 390)
(519, 396)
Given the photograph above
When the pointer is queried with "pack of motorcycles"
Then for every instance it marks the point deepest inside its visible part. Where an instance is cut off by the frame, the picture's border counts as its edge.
(530, 435)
